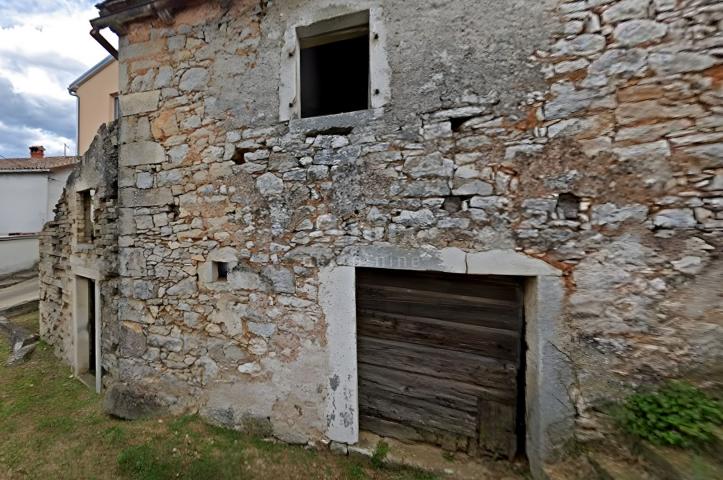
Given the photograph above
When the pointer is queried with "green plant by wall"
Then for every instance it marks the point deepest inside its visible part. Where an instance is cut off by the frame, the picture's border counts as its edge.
(380, 454)
(678, 415)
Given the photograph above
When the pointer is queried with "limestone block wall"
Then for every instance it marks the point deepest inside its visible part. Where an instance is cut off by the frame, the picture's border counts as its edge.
(586, 134)
(63, 255)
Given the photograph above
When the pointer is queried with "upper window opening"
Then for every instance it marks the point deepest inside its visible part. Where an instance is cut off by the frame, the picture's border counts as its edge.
(335, 65)
(116, 106)
(86, 222)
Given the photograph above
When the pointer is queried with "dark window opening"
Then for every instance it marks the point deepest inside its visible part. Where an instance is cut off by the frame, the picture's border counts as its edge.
(116, 107)
(568, 206)
(221, 271)
(86, 221)
(458, 123)
(335, 72)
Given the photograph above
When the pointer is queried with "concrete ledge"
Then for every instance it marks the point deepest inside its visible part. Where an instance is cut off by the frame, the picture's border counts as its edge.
(505, 262)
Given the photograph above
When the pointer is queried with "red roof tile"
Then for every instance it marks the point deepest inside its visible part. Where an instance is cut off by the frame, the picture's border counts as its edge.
(39, 164)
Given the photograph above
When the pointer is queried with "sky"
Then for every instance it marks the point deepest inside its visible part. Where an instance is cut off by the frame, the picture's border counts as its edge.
(44, 46)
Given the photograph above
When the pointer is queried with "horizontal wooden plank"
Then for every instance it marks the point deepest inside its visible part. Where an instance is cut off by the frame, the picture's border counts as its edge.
(415, 412)
(418, 305)
(431, 297)
(438, 362)
(450, 393)
(389, 428)
(486, 286)
(488, 342)
(497, 428)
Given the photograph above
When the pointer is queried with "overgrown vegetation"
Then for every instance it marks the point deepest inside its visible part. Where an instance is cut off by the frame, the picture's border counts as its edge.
(379, 456)
(678, 415)
(44, 409)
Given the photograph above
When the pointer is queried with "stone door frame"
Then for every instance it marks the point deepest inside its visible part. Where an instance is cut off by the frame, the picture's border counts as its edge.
(548, 408)
(80, 324)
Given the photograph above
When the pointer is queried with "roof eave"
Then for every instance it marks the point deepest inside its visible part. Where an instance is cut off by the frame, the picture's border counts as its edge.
(126, 11)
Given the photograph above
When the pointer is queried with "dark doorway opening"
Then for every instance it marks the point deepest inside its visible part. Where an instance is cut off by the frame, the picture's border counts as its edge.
(91, 326)
(335, 73)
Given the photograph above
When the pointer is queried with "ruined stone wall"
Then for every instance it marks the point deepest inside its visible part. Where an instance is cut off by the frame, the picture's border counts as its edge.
(587, 134)
(63, 255)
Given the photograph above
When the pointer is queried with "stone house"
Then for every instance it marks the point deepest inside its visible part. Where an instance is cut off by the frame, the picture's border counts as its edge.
(468, 223)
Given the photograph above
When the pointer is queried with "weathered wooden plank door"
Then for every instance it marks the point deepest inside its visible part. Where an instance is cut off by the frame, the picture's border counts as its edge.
(439, 357)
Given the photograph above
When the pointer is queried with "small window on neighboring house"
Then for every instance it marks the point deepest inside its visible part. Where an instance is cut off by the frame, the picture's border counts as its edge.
(220, 271)
(116, 106)
(334, 65)
(86, 220)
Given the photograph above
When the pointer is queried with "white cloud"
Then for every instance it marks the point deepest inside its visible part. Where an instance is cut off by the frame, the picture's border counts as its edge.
(44, 46)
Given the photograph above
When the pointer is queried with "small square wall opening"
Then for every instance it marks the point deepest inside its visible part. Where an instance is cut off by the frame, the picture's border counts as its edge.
(334, 65)
(220, 271)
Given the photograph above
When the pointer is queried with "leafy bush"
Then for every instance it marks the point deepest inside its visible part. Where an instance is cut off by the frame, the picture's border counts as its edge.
(678, 415)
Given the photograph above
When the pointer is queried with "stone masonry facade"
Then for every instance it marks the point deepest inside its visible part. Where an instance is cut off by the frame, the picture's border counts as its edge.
(65, 249)
(586, 134)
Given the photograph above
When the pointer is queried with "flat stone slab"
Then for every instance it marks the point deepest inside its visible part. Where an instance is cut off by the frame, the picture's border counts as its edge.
(22, 340)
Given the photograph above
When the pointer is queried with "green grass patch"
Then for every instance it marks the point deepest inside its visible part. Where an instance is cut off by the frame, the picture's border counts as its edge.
(143, 462)
(380, 453)
(44, 409)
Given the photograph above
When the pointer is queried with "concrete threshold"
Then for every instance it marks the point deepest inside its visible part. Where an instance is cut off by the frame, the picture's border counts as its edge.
(433, 459)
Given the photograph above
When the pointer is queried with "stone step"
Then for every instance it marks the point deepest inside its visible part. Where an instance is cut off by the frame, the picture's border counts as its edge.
(679, 464)
(608, 467)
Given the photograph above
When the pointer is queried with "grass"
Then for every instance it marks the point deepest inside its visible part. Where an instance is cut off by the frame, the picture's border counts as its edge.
(52, 426)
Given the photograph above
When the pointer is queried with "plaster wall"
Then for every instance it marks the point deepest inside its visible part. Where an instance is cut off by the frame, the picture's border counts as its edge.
(18, 253)
(95, 104)
(23, 202)
(56, 183)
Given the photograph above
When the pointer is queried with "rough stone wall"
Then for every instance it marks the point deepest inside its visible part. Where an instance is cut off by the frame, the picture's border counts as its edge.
(585, 133)
(62, 256)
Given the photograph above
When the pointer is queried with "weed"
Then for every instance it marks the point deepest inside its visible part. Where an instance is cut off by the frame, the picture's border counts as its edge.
(354, 471)
(449, 456)
(379, 456)
(114, 435)
(678, 415)
(142, 462)
(56, 424)
(422, 475)
(204, 467)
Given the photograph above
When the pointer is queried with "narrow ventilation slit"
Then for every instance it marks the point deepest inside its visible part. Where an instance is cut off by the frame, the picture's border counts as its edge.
(458, 122)
(330, 131)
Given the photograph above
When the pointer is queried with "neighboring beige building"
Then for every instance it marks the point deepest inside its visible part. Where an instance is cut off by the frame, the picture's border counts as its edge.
(97, 93)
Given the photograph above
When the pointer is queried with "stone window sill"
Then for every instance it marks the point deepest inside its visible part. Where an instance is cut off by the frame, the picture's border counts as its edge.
(84, 247)
(325, 123)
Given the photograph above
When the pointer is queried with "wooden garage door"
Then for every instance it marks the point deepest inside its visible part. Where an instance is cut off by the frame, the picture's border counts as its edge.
(439, 358)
